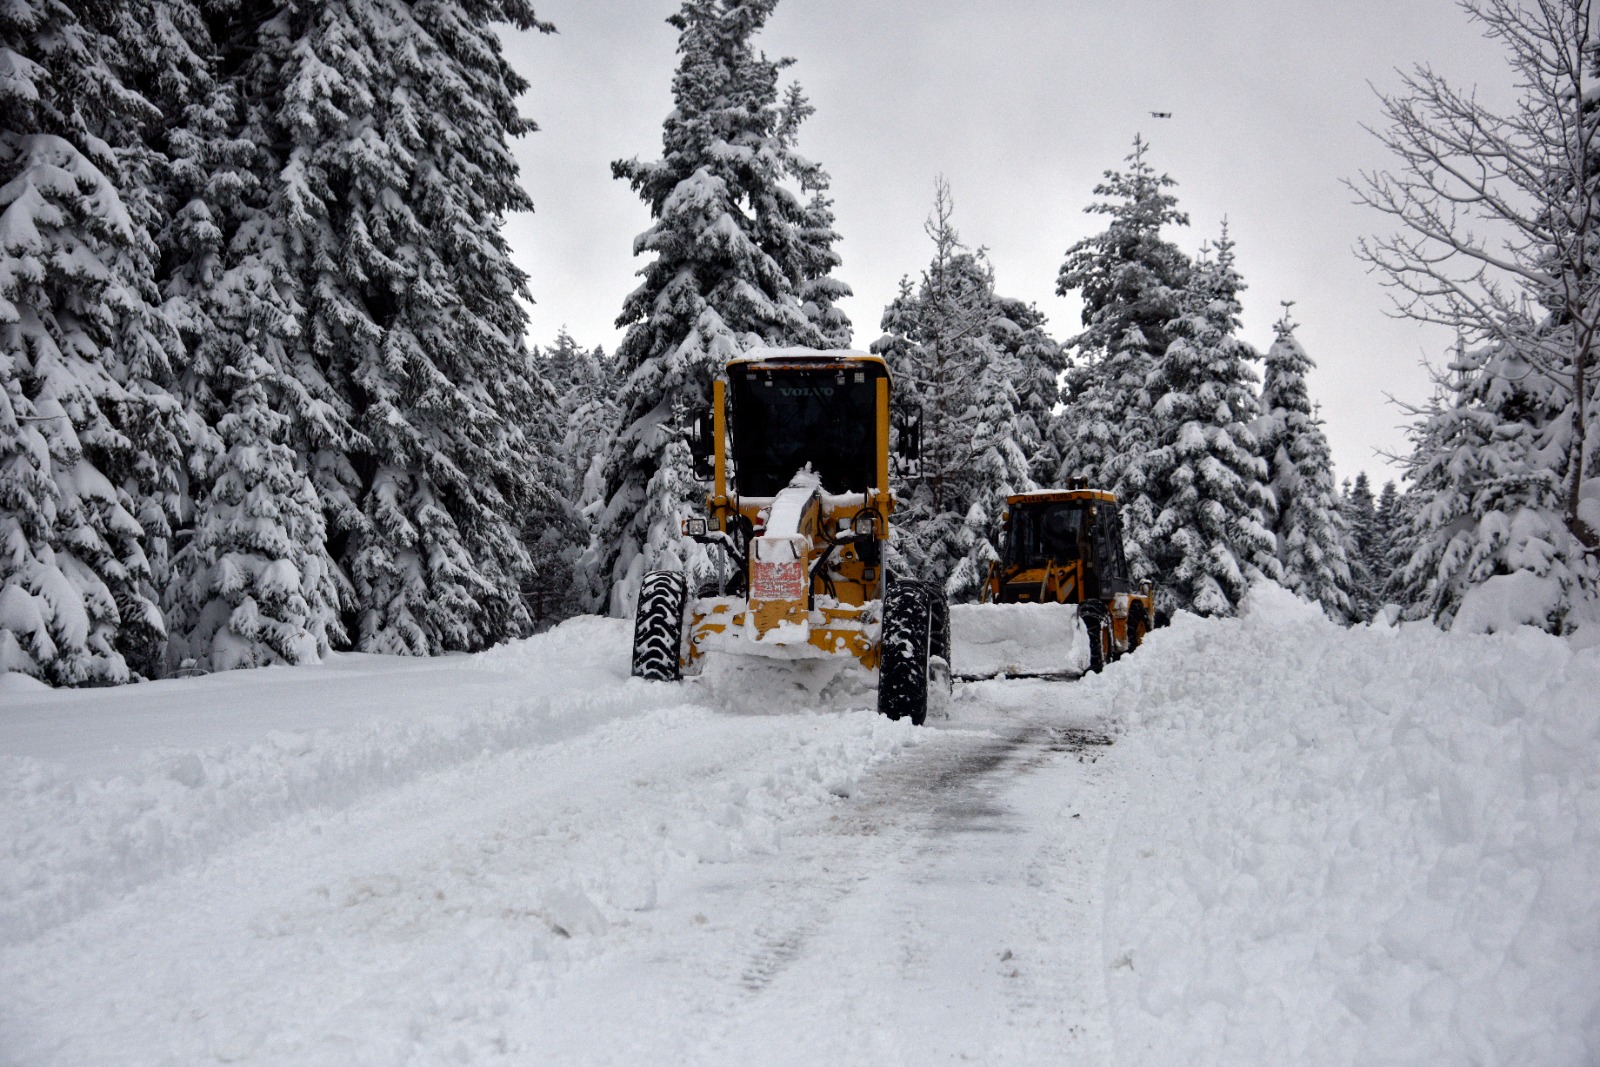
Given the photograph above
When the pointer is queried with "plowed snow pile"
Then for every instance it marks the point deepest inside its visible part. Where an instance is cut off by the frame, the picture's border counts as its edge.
(1369, 846)
(1305, 845)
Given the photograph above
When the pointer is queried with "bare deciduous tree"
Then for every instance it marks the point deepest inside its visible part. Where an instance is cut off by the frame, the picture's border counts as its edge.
(1499, 232)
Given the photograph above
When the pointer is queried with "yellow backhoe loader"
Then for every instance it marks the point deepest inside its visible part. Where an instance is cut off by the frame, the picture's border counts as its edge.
(798, 449)
(1063, 548)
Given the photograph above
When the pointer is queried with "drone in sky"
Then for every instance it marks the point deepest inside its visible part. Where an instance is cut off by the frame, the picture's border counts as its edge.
(1161, 114)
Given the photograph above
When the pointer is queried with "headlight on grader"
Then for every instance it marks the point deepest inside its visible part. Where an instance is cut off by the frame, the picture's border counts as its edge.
(695, 527)
(865, 523)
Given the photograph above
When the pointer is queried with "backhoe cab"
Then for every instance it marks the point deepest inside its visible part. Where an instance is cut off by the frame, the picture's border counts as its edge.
(796, 449)
(1064, 546)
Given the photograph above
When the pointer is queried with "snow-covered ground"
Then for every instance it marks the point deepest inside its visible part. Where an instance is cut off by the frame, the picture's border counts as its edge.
(1260, 841)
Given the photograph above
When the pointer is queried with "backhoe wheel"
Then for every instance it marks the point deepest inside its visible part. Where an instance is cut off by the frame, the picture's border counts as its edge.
(939, 623)
(941, 673)
(1136, 628)
(658, 627)
(1098, 624)
(903, 668)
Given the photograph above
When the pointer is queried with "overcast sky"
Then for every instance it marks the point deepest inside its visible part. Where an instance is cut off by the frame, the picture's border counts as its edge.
(1022, 105)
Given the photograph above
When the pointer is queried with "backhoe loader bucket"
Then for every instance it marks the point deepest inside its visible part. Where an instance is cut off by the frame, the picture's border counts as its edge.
(1018, 641)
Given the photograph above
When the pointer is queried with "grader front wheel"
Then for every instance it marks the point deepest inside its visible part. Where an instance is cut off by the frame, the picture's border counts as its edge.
(903, 667)
(658, 627)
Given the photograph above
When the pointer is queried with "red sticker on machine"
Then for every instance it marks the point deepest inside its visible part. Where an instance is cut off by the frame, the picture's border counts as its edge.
(777, 581)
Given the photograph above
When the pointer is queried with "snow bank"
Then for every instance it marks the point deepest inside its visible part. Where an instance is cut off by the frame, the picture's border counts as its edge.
(1507, 601)
(1367, 846)
(77, 838)
(74, 839)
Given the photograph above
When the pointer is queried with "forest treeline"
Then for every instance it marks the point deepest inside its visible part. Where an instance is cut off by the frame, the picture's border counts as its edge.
(265, 390)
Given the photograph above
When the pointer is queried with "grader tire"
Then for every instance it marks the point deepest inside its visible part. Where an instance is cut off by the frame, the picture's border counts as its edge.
(903, 666)
(658, 627)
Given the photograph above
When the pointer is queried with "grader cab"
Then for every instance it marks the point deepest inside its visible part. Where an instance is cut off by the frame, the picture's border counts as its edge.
(1064, 547)
(797, 446)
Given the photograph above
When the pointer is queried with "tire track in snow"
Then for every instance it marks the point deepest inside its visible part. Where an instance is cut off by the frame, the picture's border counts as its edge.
(967, 807)
(869, 931)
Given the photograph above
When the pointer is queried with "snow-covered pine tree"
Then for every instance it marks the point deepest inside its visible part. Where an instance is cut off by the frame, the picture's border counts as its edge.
(395, 118)
(558, 538)
(812, 235)
(1208, 540)
(957, 357)
(1399, 547)
(253, 583)
(1388, 515)
(584, 380)
(739, 260)
(999, 466)
(1041, 359)
(1305, 518)
(1357, 511)
(159, 60)
(87, 428)
(592, 421)
(1131, 281)
(1486, 497)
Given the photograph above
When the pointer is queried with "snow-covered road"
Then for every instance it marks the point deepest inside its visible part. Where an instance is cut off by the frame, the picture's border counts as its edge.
(656, 882)
(950, 911)
(1257, 841)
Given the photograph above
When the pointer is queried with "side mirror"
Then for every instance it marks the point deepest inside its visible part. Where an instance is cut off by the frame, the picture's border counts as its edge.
(905, 440)
(701, 447)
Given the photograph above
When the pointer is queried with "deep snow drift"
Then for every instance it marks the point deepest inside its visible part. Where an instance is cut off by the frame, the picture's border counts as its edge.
(1303, 845)
(1368, 846)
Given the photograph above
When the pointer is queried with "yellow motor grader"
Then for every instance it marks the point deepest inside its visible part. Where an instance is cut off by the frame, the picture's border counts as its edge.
(798, 448)
(1064, 547)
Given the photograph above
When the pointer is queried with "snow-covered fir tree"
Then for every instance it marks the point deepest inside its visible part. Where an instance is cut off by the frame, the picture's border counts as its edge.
(88, 432)
(1208, 539)
(1372, 528)
(1387, 517)
(957, 356)
(742, 255)
(255, 586)
(585, 382)
(592, 418)
(1358, 517)
(394, 120)
(1305, 518)
(813, 235)
(999, 467)
(1020, 330)
(1131, 280)
(1395, 519)
(1132, 283)
(1486, 497)
(558, 537)
(253, 583)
